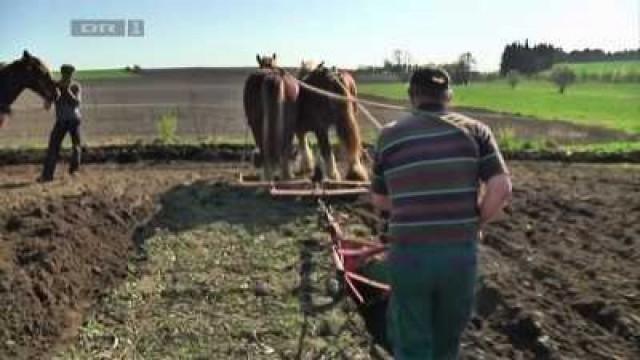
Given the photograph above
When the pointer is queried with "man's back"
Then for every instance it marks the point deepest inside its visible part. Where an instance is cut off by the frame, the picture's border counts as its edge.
(430, 165)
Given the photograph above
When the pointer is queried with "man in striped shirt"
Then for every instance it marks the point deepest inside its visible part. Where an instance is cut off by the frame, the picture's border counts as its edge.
(428, 170)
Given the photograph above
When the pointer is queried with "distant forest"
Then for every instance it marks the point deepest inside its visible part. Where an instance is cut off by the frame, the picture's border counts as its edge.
(529, 59)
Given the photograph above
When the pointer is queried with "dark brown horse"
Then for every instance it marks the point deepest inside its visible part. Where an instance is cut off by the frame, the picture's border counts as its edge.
(27, 72)
(270, 97)
(318, 113)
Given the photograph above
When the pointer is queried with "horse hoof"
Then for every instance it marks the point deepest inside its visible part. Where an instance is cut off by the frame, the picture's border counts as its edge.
(357, 175)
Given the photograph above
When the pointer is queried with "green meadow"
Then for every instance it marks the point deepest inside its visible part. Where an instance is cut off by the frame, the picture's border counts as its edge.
(611, 105)
(607, 67)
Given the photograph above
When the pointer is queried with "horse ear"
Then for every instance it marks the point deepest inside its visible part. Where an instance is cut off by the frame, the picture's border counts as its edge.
(274, 56)
(26, 55)
(258, 59)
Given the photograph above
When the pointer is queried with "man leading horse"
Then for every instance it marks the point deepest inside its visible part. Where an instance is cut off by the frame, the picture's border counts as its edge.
(68, 121)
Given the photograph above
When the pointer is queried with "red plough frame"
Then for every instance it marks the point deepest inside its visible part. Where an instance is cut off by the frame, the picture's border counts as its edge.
(350, 254)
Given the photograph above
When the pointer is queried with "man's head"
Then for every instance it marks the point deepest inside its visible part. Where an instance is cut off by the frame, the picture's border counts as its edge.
(430, 86)
(67, 71)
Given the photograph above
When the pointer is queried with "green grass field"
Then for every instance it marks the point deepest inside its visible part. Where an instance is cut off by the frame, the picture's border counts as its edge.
(607, 67)
(100, 74)
(615, 106)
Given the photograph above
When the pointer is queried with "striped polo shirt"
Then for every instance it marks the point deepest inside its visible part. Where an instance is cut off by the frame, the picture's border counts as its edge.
(430, 164)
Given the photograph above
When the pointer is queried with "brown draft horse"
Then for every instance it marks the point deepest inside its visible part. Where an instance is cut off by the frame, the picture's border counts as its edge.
(270, 96)
(317, 113)
(27, 72)
(277, 108)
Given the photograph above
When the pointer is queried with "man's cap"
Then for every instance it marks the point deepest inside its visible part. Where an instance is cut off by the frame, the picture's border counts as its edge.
(67, 69)
(432, 80)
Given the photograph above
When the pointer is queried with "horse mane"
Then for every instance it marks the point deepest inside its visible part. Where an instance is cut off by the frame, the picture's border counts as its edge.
(308, 66)
(4, 67)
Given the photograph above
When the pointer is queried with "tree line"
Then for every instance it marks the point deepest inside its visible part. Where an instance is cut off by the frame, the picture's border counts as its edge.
(402, 65)
(527, 59)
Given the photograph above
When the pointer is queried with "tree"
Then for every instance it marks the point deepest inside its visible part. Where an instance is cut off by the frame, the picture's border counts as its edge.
(562, 76)
(388, 65)
(513, 78)
(398, 56)
(529, 60)
(466, 62)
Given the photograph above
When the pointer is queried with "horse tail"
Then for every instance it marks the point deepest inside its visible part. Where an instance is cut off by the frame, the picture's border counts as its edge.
(273, 118)
(252, 101)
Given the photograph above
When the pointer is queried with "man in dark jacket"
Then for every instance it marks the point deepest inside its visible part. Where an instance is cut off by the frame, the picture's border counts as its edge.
(67, 121)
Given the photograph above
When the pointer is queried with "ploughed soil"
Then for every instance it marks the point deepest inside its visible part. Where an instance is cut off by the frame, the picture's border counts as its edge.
(231, 273)
(66, 244)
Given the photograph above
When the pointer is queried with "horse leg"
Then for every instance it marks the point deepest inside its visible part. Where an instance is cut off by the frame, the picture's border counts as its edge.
(330, 168)
(307, 164)
(349, 134)
(286, 155)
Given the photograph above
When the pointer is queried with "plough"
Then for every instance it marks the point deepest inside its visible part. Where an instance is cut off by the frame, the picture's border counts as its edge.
(364, 274)
(306, 187)
(350, 256)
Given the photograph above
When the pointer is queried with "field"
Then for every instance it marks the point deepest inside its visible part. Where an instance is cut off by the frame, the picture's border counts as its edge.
(208, 106)
(174, 255)
(615, 106)
(607, 67)
(100, 74)
(165, 256)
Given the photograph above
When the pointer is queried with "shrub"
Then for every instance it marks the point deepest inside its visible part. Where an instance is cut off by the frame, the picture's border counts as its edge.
(507, 139)
(167, 126)
(513, 78)
(492, 76)
(562, 76)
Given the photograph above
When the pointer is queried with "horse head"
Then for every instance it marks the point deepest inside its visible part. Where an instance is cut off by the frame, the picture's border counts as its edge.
(266, 62)
(324, 77)
(35, 75)
(306, 66)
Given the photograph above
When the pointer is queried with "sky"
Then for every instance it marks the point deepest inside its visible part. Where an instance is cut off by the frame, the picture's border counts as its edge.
(345, 33)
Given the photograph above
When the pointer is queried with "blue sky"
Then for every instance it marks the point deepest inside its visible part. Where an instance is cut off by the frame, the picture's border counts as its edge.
(346, 33)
